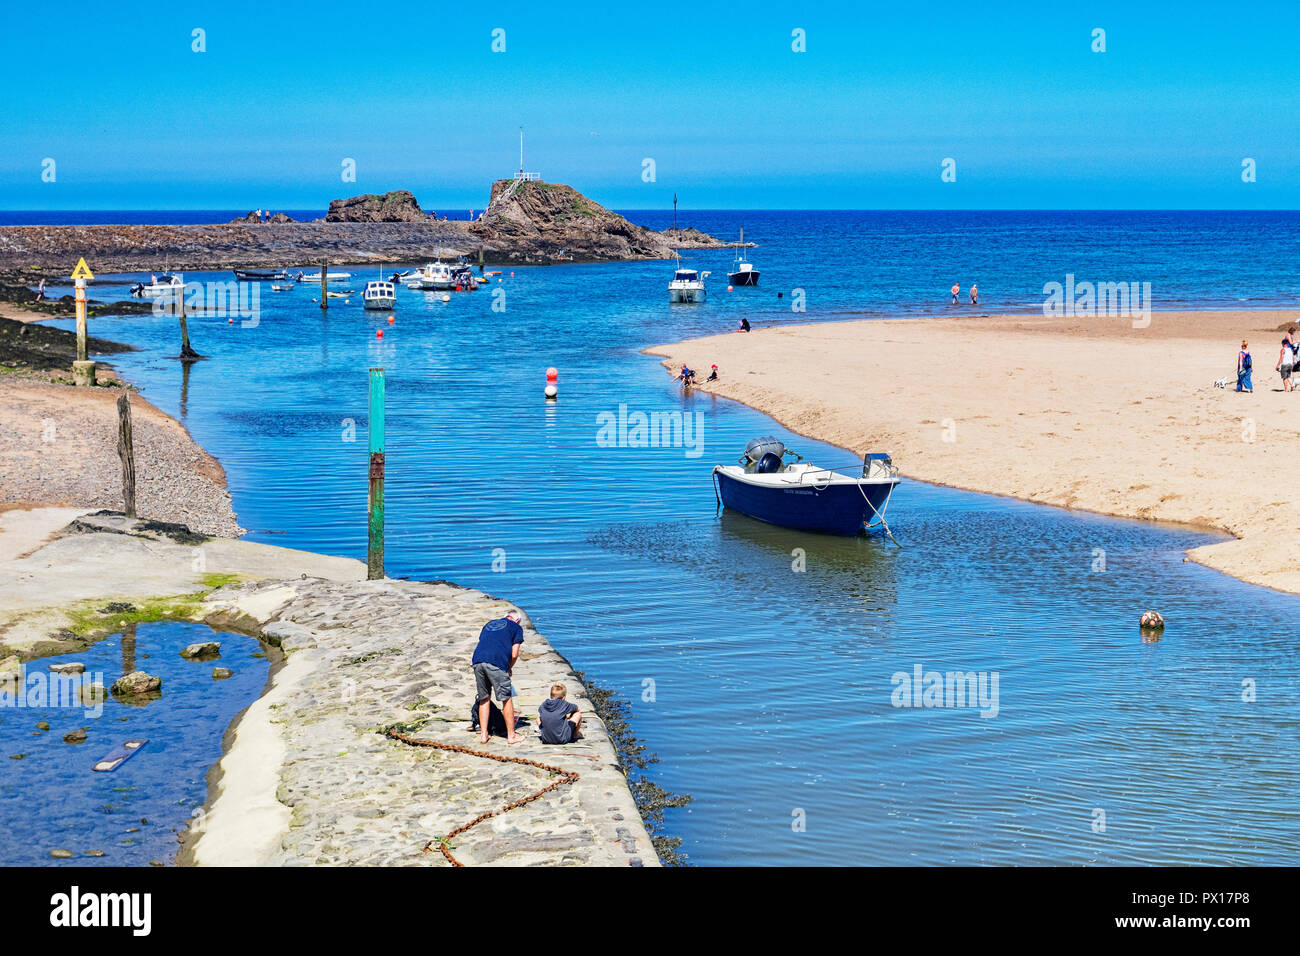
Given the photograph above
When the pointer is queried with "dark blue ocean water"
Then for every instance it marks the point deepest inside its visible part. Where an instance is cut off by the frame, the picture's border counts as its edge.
(901, 262)
(760, 662)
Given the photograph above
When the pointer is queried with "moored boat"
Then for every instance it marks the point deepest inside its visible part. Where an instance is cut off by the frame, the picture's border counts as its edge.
(315, 276)
(743, 272)
(158, 286)
(686, 286)
(802, 496)
(378, 295)
(435, 275)
(261, 275)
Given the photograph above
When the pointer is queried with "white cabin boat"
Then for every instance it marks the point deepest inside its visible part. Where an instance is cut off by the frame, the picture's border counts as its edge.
(159, 286)
(379, 295)
(686, 286)
(433, 275)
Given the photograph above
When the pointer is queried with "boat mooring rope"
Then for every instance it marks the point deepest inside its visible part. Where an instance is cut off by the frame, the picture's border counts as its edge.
(878, 514)
(565, 776)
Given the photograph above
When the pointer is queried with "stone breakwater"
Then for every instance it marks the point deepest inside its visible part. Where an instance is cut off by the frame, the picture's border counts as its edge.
(525, 222)
(310, 779)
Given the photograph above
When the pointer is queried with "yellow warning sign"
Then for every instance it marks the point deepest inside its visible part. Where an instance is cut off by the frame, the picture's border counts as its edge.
(82, 271)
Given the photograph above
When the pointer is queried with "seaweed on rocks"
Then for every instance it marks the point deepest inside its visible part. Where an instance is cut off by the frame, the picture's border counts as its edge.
(651, 799)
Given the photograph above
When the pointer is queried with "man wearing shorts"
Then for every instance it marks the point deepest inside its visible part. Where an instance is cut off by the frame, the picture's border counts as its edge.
(494, 661)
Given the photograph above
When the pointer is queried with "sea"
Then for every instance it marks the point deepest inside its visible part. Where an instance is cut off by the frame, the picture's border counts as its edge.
(802, 690)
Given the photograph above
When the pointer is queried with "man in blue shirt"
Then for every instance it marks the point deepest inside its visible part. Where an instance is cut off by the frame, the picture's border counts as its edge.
(494, 661)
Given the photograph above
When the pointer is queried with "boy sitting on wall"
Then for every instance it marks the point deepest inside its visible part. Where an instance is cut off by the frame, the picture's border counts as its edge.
(561, 721)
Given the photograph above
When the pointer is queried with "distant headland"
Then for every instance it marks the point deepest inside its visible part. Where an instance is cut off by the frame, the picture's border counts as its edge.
(527, 221)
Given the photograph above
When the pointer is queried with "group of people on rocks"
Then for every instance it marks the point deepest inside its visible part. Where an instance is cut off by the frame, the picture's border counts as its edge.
(1288, 357)
(559, 720)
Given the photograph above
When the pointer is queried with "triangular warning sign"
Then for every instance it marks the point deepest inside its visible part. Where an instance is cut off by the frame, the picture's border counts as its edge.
(82, 271)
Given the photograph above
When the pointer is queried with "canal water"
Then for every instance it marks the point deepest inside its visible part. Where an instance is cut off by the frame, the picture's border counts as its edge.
(765, 667)
(50, 799)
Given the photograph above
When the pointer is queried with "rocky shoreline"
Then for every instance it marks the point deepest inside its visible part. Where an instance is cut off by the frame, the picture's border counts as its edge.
(309, 773)
(526, 222)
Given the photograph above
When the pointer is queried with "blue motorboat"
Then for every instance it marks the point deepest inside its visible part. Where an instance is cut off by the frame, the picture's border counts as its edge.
(801, 496)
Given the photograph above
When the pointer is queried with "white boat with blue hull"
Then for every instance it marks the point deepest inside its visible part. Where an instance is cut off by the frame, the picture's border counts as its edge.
(804, 497)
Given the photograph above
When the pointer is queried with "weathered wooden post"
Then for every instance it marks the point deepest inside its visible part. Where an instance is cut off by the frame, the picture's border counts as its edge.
(375, 551)
(187, 352)
(324, 289)
(126, 451)
(83, 370)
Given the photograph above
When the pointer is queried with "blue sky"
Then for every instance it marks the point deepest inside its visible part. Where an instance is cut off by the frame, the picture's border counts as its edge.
(731, 116)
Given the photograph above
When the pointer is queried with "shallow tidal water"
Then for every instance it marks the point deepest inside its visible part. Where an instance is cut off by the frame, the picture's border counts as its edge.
(51, 799)
(761, 663)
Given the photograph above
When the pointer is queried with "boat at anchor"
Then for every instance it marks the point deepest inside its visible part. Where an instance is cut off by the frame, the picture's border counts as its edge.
(801, 496)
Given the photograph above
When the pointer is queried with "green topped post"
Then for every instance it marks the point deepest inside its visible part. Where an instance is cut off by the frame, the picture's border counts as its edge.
(375, 551)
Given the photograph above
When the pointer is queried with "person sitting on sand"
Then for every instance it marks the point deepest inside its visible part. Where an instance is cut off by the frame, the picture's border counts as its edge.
(713, 375)
(956, 291)
(559, 721)
(974, 294)
(493, 663)
(686, 376)
(1243, 368)
(1286, 363)
(744, 325)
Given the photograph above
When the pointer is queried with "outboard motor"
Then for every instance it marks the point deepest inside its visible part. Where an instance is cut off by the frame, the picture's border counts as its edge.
(769, 464)
(877, 464)
(759, 447)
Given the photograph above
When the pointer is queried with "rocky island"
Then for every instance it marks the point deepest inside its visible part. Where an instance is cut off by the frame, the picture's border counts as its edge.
(526, 222)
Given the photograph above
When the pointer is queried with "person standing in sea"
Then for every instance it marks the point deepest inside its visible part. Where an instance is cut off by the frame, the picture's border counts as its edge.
(956, 291)
(974, 294)
(494, 664)
(1243, 368)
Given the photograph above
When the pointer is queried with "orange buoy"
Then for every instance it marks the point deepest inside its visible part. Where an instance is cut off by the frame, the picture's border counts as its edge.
(230, 321)
(379, 333)
(391, 320)
(512, 275)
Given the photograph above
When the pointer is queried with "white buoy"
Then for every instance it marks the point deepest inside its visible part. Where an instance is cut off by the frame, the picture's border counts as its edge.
(552, 391)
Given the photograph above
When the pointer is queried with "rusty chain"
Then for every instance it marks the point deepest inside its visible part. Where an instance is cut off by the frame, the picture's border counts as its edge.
(565, 776)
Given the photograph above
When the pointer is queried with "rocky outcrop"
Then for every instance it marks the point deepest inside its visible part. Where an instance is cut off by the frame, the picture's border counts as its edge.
(252, 216)
(535, 221)
(396, 206)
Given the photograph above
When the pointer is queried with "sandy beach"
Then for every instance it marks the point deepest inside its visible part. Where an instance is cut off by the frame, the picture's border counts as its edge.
(1082, 413)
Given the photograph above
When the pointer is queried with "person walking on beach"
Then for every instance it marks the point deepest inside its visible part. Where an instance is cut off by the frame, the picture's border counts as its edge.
(974, 294)
(1243, 368)
(956, 291)
(494, 663)
(40, 292)
(559, 721)
(1286, 362)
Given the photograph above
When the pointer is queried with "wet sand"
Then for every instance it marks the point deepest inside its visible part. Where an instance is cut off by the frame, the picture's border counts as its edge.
(1084, 413)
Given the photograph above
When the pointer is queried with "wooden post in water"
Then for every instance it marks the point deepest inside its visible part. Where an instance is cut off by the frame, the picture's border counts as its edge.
(187, 351)
(126, 451)
(375, 550)
(324, 289)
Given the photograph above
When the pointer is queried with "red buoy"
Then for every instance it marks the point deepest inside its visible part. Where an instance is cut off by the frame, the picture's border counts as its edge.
(552, 375)
(379, 333)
